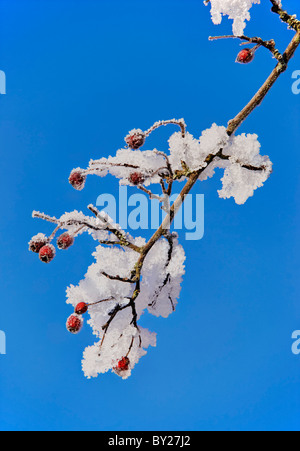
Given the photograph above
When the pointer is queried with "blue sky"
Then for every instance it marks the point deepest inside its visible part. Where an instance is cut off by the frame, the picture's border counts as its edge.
(80, 74)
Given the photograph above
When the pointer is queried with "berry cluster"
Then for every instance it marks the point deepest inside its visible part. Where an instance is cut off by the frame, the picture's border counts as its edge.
(75, 322)
(41, 245)
(74, 325)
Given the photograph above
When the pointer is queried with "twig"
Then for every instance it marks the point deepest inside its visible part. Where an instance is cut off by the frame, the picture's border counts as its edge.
(285, 17)
(99, 302)
(269, 45)
(150, 194)
(158, 124)
(121, 236)
(120, 279)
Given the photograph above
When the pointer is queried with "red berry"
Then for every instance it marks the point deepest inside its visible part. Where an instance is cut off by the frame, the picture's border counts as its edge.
(47, 253)
(81, 308)
(74, 324)
(77, 180)
(136, 178)
(123, 364)
(65, 241)
(135, 139)
(245, 56)
(37, 242)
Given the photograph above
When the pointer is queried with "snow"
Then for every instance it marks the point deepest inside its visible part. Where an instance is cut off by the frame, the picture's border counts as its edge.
(161, 279)
(238, 181)
(241, 183)
(39, 238)
(237, 10)
(239, 153)
(128, 161)
(194, 151)
(121, 334)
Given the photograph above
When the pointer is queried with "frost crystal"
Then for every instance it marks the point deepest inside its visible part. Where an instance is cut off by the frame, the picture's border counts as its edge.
(38, 240)
(194, 152)
(238, 181)
(127, 161)
(162, 277)
(238, 10)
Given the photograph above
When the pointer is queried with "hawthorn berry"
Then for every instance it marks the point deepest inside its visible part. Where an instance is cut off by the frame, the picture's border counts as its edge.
(77, 179)
(74, 324)
(136, 178)
(65, 240)
(135, 139)
(37, 242)
(123, 364)
(47, 253)
(81, 308)
(245, 56)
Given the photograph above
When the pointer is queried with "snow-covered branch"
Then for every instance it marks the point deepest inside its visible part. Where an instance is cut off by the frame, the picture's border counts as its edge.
(131, 275)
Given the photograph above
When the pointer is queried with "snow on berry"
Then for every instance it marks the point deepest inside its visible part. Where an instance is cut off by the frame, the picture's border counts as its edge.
(65, 240)
(122, 365)
(47, 253)
(238, 10)
(37, 242)
(77, 179)
(136, 178)
(245, 56)
(81, 308)
(98, 360)
(74, 324)
(135, 139)
(72, 219)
